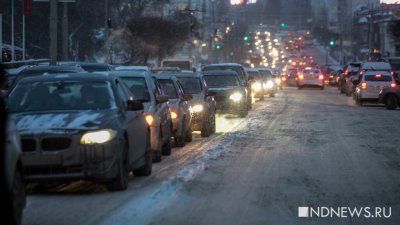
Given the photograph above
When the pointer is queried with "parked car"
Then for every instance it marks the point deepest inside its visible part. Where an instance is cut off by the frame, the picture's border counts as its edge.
(12, 172)
(180, 108)
(77, 126)
(230, 94)
(311, 77)
(90, 66)
(241, 73)
(390, 96)
(371, 84)
(147, 90)
(203, 102)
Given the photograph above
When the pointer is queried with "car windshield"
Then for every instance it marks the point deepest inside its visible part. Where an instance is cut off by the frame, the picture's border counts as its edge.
(138, 87)
(169, 88)
(56, 95)
(95, 68)
(183, 65)
(237, 69)
(378, 77)
(191, 85)
(220, 81)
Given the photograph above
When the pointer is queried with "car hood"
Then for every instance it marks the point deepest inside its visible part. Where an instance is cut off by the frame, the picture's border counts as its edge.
(61, 122)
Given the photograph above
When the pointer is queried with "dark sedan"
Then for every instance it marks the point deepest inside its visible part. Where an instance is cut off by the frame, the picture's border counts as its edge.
(80, 127)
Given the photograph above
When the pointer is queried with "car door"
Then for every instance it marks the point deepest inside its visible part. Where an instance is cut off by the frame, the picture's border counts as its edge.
(162, 108)
(184, 105)
(136, 126)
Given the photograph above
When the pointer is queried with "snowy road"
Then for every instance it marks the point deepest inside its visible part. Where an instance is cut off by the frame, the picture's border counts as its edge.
(302, 148)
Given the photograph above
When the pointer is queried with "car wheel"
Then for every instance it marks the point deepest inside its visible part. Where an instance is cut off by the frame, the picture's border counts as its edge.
(322, 87)
(214, 125)
(243, 112)
(391, 102)
(121, 181)
(18, 198)
(166, 149)
(299, 87)
(189, 135)
(206, 129)
(147, 168)
(180, 140)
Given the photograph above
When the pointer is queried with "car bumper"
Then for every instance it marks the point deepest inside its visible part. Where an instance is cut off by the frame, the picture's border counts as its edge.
(313, 82)
(90, 162)
(367, 95)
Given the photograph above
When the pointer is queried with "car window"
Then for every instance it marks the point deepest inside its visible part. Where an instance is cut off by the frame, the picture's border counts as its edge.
(218, 81)
(49, 96)
(138, 87)
(169, 88)
(378, 77)
(191, 85)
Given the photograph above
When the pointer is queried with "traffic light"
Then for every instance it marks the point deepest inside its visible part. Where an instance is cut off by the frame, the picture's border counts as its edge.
(246, 37)
(331, 43)
(217, 46)
(283, 24)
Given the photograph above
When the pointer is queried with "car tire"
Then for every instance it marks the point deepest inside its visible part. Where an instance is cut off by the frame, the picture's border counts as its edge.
(18, 199)
(322, 87)
(214, 125)
(391, 102)
(147, 168)
(166, 149)
(180, 140)
(189, 134)
(206, 129)
(243, 112)
(120, 183)
(299, 87)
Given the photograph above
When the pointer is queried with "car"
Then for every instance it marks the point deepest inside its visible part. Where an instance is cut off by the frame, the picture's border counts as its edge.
(291, 76)
(311, 77)
(180, 108)
(182, 63)
(390, 96)
(90, 66)
(12, 172)
(395, 65)
(270, 83)
(241, 73)
(75, 126)
(203, 103)
(43, 70)
(149, 92)
(370, 85)
(230, 92)
(257, 83)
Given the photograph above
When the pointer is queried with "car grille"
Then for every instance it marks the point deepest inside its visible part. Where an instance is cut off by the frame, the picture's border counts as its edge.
(220, 98)
(56, 143)
(28, 145)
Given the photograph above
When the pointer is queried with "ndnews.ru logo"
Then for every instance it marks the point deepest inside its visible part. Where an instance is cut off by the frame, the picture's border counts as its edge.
(345, 212)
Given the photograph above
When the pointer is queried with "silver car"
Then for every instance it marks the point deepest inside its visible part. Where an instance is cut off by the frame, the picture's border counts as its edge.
(180, 108)
(371, 84)
(311, 77)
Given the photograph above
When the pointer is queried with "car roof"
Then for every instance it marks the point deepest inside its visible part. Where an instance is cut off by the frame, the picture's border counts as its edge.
(71, 76)
(219, 72)
(187, 74)
(224, 64)
(53, 68)
(127, 73)
(132, 68)
(382, 72)
(376, 65)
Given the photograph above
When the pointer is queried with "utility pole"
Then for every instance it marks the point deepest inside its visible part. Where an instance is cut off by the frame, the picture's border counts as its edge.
(53, 31)
(65, 31)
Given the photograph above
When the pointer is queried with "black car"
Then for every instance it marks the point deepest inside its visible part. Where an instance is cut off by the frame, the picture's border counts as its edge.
(75, 126)
(230, 94)
(90, 66)
(241, 73)
(203, 102)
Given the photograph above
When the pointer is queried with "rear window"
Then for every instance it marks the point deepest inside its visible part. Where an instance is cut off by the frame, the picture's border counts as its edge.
(311, 71)
(169, 88)
(191, 85)
(138, 87)
(383, 78)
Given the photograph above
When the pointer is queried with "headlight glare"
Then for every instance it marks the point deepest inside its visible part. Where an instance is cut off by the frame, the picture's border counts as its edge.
(270, 84)
(198, 108)
(98, 137)
(256, 86)
(236, 97)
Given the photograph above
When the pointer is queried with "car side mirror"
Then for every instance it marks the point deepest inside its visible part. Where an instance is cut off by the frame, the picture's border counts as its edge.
(187, 97)
(211, 93)
(134, 105)
(162, 99)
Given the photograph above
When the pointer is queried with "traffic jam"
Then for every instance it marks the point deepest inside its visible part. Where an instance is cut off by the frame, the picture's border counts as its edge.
(291, 134)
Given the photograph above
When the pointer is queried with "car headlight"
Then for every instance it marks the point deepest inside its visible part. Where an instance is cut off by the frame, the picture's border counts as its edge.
(149, 119)
(236, 97)
(197, 108)
(256, 86)
(270, 84)
(278, 81)
(98, 137)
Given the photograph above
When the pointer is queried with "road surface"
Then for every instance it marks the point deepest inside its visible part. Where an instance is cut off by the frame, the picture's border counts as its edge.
(303, 148)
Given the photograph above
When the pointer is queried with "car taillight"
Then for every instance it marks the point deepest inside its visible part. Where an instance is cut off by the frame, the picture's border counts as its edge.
(392, 72)
(346, 72)
(320, 77)
(301, 76)
(363, 85)
(393, 85)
